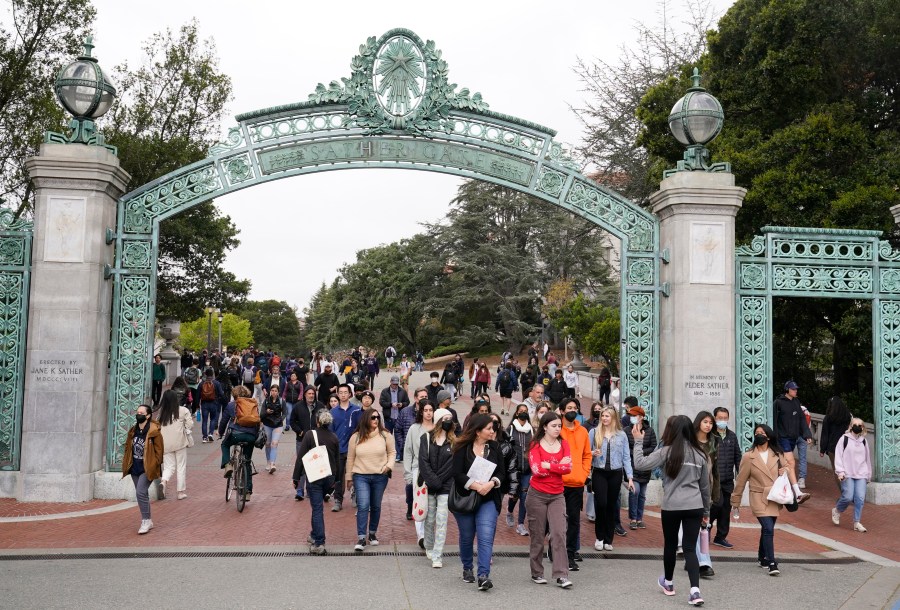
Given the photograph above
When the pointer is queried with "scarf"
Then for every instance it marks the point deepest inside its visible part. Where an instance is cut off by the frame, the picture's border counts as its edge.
(526, 429)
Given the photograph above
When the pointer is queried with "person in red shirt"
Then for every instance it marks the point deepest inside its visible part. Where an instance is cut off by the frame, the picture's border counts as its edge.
(545, 504)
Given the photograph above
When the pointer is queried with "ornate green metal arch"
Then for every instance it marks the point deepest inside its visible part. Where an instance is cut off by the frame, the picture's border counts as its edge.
(396, 110)
(833, 263)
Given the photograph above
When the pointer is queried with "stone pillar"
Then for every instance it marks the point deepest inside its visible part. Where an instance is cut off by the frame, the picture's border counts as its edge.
(67, 357)
(697, 320)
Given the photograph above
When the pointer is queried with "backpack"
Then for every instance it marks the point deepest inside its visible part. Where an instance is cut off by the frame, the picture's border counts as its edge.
(450, 377)
(258, 378)
(208, 391)
(246, 412)
(248, 374)
(846, 439)
(504, 378)
(192, 375)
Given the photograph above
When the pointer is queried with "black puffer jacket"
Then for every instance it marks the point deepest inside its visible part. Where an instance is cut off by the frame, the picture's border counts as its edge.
(511, 483)
(435, 465)
(729, 455)
(642, 476)
(521, 442)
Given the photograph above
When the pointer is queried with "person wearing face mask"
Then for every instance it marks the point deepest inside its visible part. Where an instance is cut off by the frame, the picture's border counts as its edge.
(574, 481)
(511, 483)
(433, 387)
(729, 459)
(435, 457)
(424, 422)
(142, 459)
(520, 434)
(853, 467)
(637, 497)
(589, 424)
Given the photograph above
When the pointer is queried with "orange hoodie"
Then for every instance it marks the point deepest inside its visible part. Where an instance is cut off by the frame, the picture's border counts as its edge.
(580, 450)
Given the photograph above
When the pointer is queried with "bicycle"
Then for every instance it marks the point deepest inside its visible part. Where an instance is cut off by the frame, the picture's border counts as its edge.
(241, 469)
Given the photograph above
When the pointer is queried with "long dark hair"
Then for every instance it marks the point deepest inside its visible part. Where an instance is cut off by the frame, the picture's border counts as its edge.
(362, 428)
(478, 422)
(169, 405)
(678, 434)
(541, 431)
(699, 420)
(774, 445)
(179, 383)
(838, 412)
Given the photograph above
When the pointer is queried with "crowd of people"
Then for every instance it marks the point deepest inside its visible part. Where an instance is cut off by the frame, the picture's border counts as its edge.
(542, 469)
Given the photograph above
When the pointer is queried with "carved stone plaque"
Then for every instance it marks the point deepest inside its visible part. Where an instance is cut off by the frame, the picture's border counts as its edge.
(64, 242)
(708, 253)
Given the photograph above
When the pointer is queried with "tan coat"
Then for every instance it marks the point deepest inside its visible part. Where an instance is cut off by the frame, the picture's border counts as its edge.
(761, 476)
(174, 434)
(153, 452)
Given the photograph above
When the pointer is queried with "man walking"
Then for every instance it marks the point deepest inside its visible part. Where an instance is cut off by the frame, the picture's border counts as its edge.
(791, 428)
(729, 460)
(573, 483)
(345, 418)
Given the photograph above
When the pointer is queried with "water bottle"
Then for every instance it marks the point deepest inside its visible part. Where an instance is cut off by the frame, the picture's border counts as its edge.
(704, 540)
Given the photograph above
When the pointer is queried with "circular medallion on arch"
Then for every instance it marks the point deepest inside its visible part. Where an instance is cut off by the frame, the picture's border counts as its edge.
(400, 73)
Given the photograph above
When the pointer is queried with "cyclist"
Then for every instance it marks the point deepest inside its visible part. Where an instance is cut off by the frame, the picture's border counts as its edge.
(243, 434)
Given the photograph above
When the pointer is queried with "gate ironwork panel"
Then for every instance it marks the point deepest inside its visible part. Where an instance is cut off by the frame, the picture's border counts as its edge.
(15, 276)
(397, 110)
(822, 263)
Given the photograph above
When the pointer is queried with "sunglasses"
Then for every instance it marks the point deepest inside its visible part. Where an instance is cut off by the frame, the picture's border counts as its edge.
(375, 417)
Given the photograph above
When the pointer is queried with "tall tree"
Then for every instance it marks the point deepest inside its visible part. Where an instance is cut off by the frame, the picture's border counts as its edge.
(236, 333)
(274, 325)
(36, 37)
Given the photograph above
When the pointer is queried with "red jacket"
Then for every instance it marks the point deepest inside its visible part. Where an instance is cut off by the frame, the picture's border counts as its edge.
(548, 481)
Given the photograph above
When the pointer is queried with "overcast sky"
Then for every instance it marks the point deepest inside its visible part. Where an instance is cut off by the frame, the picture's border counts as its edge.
(519, 55)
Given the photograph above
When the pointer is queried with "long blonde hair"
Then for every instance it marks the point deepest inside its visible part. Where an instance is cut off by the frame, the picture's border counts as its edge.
(853, 420)
(600, 431)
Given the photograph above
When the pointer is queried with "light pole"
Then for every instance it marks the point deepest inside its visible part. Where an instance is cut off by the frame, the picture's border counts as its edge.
(221, 316)
(209, 312)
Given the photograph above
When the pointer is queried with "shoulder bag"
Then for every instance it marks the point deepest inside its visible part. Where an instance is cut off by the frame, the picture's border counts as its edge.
(188, 436)
(316, 464)
(460, 503)
(420, 494)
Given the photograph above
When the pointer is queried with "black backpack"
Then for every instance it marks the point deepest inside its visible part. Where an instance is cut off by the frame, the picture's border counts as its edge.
(192, 376)
(504, 378)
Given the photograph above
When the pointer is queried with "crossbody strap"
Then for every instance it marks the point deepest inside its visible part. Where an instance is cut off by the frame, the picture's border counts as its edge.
(315, 438)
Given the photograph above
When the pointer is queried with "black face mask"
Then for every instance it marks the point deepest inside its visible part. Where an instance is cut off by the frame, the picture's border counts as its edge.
(141, 418)
(856, 429)
(522, 416)
(570, 416)
(446, 426)
(760, 439)
(596, 415)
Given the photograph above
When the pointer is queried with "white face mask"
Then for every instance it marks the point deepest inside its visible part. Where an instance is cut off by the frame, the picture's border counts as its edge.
(633, 419)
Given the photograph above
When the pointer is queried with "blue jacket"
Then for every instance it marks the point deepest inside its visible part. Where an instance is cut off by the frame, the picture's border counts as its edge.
(220, 393)
(344, 424)
(619, 457)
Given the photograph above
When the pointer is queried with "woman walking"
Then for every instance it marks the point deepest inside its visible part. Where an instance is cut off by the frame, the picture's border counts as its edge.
(142, 458)
(317, 490)
(638, 497)
(704, 423)
(520, 434)
(370, 456)
(609, 446)
(834, 425)
(760, 467)
(853, 466)
(478, 441)
(571, 379)
(549, 460)
(436, 471)
(686, 497)
(293, 394)
(175, 424)
(272, 417)
(424, 424)
(180, 387)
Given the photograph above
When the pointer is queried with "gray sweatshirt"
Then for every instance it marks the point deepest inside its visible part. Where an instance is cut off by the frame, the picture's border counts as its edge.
(687, 491)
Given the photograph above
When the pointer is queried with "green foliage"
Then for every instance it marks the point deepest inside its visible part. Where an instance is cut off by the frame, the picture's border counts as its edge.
(446, 350)
(592, 325)
(170, 112)
(36, 38)
(236, 332)
(274, 325)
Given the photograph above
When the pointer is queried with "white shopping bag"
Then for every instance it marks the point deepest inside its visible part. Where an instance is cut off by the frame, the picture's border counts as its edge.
(315, 462)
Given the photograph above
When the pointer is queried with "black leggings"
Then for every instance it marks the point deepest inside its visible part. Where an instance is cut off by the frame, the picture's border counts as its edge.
(606, 485)
(689, 521)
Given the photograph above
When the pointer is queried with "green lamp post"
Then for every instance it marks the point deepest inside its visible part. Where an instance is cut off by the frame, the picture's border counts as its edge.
(696, 119)
(87, 94)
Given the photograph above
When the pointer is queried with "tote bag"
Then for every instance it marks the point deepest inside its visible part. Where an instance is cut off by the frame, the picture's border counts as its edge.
(420, 496)
(315, 461)
(781, 491)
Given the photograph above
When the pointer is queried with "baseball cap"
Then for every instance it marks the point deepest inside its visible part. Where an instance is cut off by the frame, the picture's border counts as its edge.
(395, 379)
(791, 385)
(637, 411)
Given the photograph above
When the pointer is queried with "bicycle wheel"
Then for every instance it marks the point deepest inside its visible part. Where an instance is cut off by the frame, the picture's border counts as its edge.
(240, 485)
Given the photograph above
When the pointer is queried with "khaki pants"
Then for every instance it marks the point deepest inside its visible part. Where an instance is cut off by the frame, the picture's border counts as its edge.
(175, 462)
(544, 509)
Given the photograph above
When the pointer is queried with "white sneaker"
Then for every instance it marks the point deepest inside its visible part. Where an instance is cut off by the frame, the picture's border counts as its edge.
(437, 563)
(598, 545)
(162, 489)
(520, 530)
(835, 516)
(858, 527)
(146, 526)
(607, 547)
(801, 483)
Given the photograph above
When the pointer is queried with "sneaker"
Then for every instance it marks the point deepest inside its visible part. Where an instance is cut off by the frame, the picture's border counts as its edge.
(318, 549)
(274, 468)
(578, 556)
(598, 545)
(835, 516)
(694, 599)
(592, 519)
(409, 517)
(162, 489)
(310, 540)
(707, 571)
(336, 507)
(803, 498)
(299, 497)
(509, 520)
(485, 584)
(763, 563)
(620, 531)
(421, 543)
(607, 547)
(228, 470)
(642, 525)
(327, 498)
(468, 576)
(146, 526)
(539, 580)
(667, 589)
(205, 440)
(632, 525)
(360, 544)
(858, 527)
(723, 542)
(573, 566)
(679, 552)
(563, 583)
(801, 483)
(773, 569)
(182, 495)
(520, 530)
(373, 539)
(437, 563)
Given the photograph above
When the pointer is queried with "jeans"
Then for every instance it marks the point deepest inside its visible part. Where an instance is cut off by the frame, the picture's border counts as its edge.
(766, 551)
(523, 495)
(606, 485)
(436, 525)
(636, 500)
(288, 409)
(141, 489)
(369, 491)
(483, 524)
(245, 440)
(210, 418)
(574, 498)
(339, 478)
(788, 444)
(272, 437)
(721, 513)
(316, 492)
(689, 521)
(852, 490)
